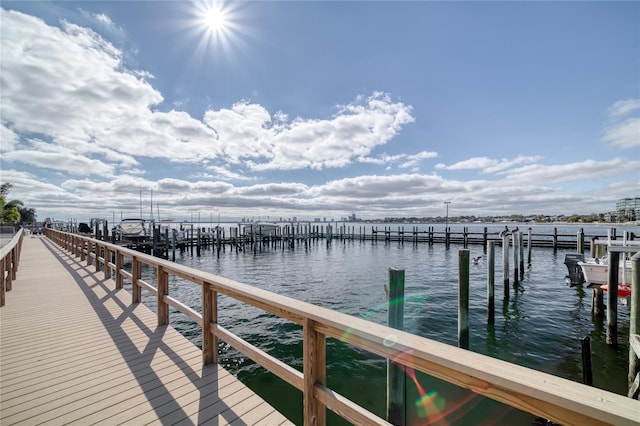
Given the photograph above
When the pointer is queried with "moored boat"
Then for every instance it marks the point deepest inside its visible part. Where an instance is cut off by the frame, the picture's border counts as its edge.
(596, 271)
(261, 228)
(131, 230)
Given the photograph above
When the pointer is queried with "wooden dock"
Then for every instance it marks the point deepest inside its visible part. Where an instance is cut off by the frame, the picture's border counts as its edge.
(76, 348)
(73, 350)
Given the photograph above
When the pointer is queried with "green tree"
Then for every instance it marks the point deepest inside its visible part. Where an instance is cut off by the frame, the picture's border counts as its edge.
(9, 210)
(27, 215)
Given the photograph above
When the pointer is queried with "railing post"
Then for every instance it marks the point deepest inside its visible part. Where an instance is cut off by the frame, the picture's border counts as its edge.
(98, 249)
(15, 260)
(107, 259)
(463, 298)
(209, 315)
(395, 373)
(89, 248)
(314, 371)
(10, 274)
(136, 291)
(163, 290)
(119, 263)
(2, 281)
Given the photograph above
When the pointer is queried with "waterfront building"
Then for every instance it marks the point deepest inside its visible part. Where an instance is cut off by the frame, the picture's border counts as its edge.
(628, 208)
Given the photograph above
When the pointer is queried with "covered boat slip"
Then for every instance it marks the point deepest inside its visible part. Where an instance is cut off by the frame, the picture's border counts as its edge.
(74, 350)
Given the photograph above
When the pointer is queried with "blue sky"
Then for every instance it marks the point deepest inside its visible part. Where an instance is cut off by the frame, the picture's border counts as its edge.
(320, 109)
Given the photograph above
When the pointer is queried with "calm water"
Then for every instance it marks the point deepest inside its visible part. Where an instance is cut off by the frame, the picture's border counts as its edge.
(539, 326)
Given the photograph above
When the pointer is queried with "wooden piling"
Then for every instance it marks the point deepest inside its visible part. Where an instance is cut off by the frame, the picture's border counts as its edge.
(446, 236)
(505, 264)
(529, 246)
(521, 254)
(597, 303)
(580, 241)
(634, 319)
(191, 240)
(612, 299)
(198, 242)
(491, 265)
(516, 275)
(395, 373)
(463, 298)
(587, 371)
(173, 245)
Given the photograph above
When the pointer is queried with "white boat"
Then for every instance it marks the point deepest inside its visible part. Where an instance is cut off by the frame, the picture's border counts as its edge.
(260, 228)
(132, 230)
(265, 229)
(596, 271)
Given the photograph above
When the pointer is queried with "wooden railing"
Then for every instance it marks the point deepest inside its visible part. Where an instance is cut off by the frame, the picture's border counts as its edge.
(9, 260)
(553, 398)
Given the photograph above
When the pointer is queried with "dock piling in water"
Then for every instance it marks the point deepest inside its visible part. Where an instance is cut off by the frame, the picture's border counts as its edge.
(463, 298)
(634, 320)
(505, 263)
(491, 265)
(516, 275)
(396, 377)
(612, 299)
(587, 372)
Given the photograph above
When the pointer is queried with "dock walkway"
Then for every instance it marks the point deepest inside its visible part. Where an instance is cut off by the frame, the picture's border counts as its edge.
(74, 350)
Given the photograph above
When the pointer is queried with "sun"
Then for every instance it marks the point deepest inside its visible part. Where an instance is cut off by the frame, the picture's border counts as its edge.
(215, 19)
(216, 26)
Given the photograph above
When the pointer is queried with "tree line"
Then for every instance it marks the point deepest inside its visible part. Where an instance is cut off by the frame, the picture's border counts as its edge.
(13, 211)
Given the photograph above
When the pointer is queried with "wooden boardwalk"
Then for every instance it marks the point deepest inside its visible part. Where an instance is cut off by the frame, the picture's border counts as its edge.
(73, 350)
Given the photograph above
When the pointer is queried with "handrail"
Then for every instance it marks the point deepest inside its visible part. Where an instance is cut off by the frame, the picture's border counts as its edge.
(551, 397)
(9, 262)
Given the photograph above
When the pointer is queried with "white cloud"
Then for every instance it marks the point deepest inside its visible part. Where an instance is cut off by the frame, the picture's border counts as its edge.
(249, 133)
(99, 121)
(583, 170)
(624, 107)
(623, 131)
(60, 160)
(8, 138)
(413, 161)
(625, 134)
(110, 110)
(489, 165)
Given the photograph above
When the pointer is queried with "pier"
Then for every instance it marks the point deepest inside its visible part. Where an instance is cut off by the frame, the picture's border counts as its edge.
(76, 351)
(67, 314)
(163, 241)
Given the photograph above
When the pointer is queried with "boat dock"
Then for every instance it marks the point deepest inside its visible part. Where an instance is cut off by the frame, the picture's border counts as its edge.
(162, 241)
(79, 348)
(76, 351)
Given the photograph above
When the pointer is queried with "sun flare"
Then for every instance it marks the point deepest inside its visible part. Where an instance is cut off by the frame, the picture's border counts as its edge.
(217, 27)
(215, 19)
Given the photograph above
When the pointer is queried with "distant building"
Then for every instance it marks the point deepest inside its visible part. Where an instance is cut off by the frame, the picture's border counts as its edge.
(628, 208)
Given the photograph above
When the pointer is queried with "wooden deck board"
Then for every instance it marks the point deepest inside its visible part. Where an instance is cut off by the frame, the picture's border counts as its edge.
(73, 350)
